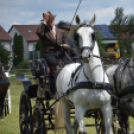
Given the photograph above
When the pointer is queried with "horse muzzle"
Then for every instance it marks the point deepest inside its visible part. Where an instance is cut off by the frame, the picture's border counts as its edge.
(86, 55)
(85, 60)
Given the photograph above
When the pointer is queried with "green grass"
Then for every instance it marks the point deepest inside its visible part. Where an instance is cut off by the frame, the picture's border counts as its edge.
(10, 125)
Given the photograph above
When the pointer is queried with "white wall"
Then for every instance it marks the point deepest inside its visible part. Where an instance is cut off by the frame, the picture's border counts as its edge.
(7, 45)
(31, 45)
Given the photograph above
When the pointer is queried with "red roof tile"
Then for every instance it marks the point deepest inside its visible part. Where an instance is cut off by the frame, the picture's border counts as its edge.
(4, 35)
(31, 36)
(23, 29)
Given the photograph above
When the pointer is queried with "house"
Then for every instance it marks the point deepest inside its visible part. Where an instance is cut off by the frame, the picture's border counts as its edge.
(109, 38)
(30, 38)
(5, 39)
(28, 33)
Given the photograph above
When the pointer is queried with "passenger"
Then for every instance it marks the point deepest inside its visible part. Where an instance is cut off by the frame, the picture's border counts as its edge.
(54, 40)
(72, 52)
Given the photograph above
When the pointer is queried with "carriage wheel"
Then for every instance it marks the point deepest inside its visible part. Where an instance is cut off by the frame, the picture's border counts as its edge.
(25, 115)
(38, 120)
(100, 128)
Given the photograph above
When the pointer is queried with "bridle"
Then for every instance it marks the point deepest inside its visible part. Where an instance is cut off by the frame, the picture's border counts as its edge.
(76, 35)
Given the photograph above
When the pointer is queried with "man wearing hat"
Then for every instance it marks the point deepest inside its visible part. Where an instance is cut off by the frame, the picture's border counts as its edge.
(72, 52)
(53, 40)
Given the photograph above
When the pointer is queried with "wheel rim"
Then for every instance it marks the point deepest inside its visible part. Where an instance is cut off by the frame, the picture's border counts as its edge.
(37, 122)
(25, 116)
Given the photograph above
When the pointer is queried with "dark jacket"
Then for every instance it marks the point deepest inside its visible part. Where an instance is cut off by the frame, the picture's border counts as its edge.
(47, 39)
(73, 53)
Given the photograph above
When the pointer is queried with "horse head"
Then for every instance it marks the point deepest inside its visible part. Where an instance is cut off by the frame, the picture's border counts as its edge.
(85, 38)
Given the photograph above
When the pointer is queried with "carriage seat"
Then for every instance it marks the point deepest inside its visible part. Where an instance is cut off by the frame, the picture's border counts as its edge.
(39, 67)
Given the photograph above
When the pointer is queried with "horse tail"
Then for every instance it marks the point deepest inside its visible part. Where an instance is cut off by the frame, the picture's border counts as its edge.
(59, 120)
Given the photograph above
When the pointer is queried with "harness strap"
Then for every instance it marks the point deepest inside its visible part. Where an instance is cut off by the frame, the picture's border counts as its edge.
(73, 74)
(88, 85)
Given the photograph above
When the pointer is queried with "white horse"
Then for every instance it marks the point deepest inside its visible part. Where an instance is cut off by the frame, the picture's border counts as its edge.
(85, 98)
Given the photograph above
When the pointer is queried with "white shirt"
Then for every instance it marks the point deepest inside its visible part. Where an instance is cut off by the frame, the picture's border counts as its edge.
(54, 28)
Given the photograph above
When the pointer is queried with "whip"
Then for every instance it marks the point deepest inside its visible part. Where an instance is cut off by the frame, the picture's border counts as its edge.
(74, 15)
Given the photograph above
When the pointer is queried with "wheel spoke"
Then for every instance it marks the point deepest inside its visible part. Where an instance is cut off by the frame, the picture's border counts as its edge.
(24, 107)
(25, 116)
(37, 122)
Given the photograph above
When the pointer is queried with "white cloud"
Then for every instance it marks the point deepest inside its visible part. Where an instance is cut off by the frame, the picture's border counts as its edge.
(16, 23)
(128, 10)
(30, 11)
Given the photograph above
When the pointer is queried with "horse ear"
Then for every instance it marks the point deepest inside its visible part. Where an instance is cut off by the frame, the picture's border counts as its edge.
(77, 20)
(92, 22)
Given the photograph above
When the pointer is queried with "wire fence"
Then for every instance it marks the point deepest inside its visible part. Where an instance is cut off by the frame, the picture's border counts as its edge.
(12, 73)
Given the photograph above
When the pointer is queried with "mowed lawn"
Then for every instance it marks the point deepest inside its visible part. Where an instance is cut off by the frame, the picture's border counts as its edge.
(10, 125)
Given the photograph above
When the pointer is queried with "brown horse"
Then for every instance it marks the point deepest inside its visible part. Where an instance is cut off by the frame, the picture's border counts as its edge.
(4, 84)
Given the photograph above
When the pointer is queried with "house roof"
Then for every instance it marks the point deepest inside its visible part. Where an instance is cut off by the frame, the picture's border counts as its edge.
(4, 35)
(108, 34)
(28, 31)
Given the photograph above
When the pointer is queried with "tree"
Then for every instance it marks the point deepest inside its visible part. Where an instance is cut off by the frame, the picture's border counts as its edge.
(4, 54)
(123, 26)
(18, 49)
(99, 36)
(39, 47)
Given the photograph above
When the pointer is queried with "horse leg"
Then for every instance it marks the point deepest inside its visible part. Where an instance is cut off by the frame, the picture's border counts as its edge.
(75, 126)
(66, 114)
(79, 111)
(107, 116)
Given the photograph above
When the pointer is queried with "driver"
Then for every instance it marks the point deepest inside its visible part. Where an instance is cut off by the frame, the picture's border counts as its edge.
(53, 40)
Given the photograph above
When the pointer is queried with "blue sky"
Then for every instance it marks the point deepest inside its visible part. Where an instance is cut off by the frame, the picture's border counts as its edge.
(30, 11)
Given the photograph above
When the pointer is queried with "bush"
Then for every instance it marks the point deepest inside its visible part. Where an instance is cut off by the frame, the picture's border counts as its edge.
(5, 55)
(23, 65)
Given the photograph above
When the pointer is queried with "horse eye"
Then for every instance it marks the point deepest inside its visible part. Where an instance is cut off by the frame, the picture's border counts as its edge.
(93, 36)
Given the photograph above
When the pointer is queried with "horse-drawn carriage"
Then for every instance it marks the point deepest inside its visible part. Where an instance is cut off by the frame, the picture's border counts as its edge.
(83, 88)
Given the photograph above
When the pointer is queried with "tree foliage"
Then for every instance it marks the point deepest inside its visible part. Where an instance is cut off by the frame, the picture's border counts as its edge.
(18, 49)
(39, 47)
(99, 36)
(123, 26)
(4, 54)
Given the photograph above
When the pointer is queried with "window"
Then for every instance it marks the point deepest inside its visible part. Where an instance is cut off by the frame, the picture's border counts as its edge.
(29, 31)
